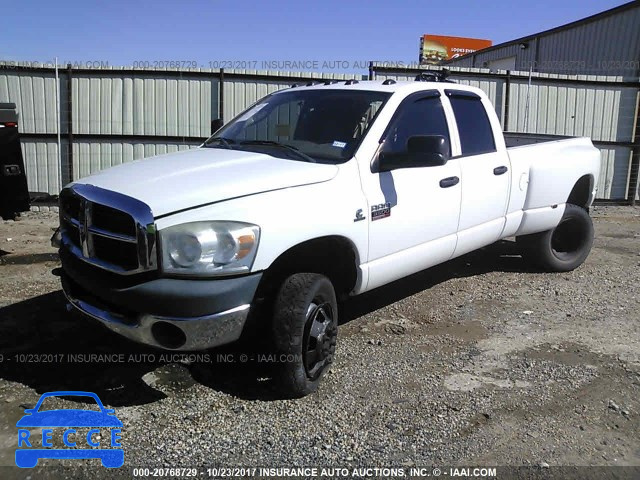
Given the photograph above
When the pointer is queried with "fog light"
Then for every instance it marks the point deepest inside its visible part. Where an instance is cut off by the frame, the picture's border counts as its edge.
(168, 335)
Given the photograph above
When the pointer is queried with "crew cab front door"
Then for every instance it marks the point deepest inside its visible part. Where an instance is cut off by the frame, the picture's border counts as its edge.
(486, 172)
(413, 212)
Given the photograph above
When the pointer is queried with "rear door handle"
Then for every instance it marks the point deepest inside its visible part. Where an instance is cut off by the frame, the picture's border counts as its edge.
(449, 182)
(500, 170)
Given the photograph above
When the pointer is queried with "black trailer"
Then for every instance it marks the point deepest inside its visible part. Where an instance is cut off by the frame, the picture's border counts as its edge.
(14, 194)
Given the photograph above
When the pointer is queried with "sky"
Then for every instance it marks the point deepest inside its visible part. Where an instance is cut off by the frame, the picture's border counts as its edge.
(326, 35)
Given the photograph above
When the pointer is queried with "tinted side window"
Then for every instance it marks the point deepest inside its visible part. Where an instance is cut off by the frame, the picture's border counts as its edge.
(476, 135)
(423, 116)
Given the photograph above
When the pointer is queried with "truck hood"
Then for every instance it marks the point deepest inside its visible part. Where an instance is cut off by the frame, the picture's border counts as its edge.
(179, 181)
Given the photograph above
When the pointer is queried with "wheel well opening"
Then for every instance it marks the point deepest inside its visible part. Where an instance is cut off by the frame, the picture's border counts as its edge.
(332, 256)
(581, 193)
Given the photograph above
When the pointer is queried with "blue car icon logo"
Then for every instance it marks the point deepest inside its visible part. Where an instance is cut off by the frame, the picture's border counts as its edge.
(31, 448)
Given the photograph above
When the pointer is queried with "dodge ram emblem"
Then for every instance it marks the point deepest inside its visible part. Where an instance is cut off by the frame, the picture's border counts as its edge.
(383, 210)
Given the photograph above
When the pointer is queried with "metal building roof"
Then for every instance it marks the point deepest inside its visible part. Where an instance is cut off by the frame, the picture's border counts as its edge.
(612, 35)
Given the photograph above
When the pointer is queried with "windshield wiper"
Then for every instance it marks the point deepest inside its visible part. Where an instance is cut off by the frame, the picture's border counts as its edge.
(225, 142)
(271, 143)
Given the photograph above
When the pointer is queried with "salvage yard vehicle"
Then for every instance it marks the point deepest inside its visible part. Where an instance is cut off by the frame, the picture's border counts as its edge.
(14, 194)
(313, 194)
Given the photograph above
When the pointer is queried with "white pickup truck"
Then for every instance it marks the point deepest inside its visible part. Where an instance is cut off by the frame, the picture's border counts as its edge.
(313, 194)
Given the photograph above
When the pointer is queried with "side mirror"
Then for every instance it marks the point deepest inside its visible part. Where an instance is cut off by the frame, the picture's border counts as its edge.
(216, 125)
(428, 150)
(422, 151)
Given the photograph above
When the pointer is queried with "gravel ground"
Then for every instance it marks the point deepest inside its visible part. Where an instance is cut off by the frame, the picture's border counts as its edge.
(480, 361)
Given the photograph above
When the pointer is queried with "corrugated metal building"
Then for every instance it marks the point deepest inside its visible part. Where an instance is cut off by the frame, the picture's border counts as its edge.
(115, 115)
(93, 118)
(607, 43)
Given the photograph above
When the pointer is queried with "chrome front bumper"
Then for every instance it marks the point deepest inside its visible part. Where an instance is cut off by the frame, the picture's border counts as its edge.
(171, 333)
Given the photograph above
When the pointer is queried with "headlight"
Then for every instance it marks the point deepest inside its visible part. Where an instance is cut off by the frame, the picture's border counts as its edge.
(209, 248)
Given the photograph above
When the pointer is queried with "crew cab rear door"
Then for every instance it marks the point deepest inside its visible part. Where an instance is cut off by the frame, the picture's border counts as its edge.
(485, 171)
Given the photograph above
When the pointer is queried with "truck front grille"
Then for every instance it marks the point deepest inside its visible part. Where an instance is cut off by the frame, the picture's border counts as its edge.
(107, 229)
(113, 220)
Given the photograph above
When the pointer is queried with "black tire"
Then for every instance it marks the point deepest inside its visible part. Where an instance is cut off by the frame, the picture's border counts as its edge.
(305, 328)
(563, 248)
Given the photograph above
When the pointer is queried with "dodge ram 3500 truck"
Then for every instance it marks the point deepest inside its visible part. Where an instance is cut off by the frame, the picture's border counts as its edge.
(314, 193)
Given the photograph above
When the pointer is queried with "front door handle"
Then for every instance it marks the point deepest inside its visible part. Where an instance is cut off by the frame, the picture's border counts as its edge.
(500, 170)
(449, 182)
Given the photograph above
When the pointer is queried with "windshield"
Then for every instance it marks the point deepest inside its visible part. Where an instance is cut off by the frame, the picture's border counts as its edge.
(307, 125)
(54, 402)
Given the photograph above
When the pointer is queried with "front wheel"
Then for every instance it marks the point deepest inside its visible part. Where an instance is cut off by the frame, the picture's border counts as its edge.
(305, 329)
(564, 247)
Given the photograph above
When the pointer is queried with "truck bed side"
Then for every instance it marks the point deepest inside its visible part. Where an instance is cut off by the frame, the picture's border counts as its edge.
(544, 175)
